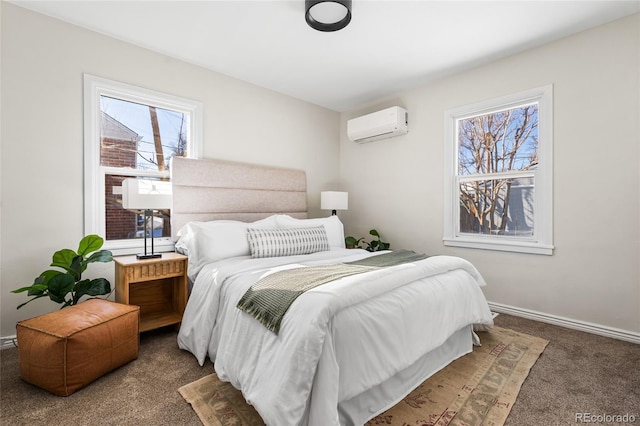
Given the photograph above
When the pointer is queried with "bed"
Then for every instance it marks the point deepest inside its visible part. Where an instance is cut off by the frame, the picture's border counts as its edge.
(345, 350)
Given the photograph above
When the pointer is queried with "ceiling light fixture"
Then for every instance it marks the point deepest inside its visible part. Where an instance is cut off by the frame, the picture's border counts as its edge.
(327, 15)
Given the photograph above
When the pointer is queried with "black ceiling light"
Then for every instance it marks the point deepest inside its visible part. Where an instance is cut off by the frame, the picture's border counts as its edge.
(327, 15)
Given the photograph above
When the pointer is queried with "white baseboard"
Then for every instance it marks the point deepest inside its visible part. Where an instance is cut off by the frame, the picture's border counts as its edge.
(601, 330)
(8, 342)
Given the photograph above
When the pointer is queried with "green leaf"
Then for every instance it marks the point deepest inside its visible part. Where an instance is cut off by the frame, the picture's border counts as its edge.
(21, 289)
(44, 277)
(63, 258)
(374, 233)
(77, 267)
(95, 287)
(38, 290)
(98, 287)
(56, 298)
(351, 241)
(90, 243)
(60, 286)
(80, 289)
(100, 256)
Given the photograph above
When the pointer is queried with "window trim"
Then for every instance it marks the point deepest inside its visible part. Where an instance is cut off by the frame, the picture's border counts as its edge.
(94, 174)
(542, 241)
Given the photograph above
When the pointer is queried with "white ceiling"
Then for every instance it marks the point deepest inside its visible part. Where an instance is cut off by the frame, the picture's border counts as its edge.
(387, 47)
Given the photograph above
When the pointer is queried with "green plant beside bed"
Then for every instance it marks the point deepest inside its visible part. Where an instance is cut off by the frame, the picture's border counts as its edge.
(58, 284)
(373, 245)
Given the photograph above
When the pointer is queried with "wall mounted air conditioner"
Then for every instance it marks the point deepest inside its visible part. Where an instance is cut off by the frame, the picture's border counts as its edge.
(383, 124)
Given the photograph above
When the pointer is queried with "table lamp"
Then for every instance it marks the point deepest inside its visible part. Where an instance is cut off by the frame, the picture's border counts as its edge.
(334, 200)
(147, 195)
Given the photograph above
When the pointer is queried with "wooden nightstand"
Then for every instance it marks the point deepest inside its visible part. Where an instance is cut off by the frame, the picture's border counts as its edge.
(158, 286)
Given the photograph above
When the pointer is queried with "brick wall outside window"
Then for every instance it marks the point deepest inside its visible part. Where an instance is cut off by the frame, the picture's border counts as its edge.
(120, 223)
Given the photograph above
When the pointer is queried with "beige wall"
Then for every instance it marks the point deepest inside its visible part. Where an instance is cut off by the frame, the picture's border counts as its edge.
(396, 185)
(43, 61)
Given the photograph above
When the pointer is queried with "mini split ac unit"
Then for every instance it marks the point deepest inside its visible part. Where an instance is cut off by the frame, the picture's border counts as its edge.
(383, 124)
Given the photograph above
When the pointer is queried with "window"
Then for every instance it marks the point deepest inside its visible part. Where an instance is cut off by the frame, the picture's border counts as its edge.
(132, 132)
(498, 169)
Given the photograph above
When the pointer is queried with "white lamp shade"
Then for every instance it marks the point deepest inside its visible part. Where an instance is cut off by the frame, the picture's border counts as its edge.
(334, 200)
(146, 194)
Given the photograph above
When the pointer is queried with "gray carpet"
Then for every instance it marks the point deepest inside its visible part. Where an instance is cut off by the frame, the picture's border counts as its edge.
(143, 392)
(577, 373)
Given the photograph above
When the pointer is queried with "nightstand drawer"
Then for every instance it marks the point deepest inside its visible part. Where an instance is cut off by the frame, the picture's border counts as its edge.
(146, 272)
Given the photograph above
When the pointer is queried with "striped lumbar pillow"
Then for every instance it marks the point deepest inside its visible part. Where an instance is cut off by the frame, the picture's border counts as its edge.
(287, 242)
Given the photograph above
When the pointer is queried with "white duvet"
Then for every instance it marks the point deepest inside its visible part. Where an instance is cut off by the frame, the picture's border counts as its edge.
(335, 341)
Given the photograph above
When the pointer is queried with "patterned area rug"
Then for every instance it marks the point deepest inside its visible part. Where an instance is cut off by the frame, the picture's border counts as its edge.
(477, 389)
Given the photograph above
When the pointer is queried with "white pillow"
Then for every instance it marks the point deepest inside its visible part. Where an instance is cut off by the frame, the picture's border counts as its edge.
(186, 242)
(274, 242)
(206, 242)
(333, 226)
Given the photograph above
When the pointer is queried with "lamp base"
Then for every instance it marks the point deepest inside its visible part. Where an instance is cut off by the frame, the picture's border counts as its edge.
(148, 256)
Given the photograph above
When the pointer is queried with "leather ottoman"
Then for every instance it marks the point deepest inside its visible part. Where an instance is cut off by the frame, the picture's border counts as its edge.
(63, 351)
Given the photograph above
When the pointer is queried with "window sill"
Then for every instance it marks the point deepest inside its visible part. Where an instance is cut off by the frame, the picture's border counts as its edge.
(510, 245)
(125, 247)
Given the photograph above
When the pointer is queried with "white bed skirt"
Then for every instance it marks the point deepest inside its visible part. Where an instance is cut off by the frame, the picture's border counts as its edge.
(362, 408)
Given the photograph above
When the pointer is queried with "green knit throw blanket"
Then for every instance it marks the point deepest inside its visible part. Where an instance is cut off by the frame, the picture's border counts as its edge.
(269, 299)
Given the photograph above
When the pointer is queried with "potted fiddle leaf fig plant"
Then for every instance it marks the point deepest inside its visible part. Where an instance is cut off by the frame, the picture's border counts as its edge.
(67, 286)
(373, 245)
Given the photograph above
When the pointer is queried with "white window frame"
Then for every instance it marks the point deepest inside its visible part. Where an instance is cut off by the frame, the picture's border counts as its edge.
(94, 173)
(542, 240)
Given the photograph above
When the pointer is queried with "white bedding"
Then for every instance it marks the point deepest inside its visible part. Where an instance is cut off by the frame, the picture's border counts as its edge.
(337, 340)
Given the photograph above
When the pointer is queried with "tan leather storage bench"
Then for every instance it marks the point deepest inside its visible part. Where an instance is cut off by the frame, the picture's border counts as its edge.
(63, 351)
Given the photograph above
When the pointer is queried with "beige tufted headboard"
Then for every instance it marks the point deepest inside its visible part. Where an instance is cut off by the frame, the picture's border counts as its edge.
(209, 189)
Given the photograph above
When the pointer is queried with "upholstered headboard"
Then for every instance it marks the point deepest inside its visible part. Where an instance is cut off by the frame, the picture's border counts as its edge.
(209, 189)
